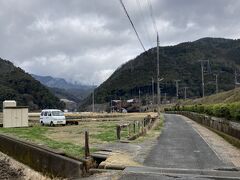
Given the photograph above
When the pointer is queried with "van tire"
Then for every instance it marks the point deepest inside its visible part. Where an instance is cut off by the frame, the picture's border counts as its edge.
(42, 124)
(51, 124)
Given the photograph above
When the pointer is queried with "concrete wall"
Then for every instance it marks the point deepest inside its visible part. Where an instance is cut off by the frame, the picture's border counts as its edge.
(40, 159)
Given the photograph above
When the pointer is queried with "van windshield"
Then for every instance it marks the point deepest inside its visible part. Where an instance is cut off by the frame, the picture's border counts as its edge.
(57, 113)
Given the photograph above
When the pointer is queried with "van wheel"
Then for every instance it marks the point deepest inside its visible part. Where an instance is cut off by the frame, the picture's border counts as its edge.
(51, 124)
(42, 123)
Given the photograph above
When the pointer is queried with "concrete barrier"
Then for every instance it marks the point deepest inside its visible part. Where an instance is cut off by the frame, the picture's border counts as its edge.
(40, 159)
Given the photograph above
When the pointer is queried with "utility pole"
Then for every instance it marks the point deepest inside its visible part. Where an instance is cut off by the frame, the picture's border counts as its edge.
(160, 96)
(152, 90)
(216, 81)
(235, 77)
(202, 69)
(236, 81)
(165, 98)
(93, 103)
(111, 107)
(202, 66)
(139, 95)
(185, 93)
(177, 88)
(158, 77)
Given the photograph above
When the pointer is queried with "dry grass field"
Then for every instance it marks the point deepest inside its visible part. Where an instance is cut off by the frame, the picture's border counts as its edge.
(70, 139)
(230, 96)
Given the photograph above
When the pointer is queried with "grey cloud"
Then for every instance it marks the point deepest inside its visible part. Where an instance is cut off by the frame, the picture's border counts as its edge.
(86, 40)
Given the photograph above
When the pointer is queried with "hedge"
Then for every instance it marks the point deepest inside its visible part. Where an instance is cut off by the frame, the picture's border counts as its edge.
(229, 111)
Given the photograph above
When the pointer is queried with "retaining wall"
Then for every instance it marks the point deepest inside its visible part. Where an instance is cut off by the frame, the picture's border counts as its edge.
(219, 124)
(42, 160)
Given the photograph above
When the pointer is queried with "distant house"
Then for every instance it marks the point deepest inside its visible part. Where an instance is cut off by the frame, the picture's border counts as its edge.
(130, 105)
(70, 105)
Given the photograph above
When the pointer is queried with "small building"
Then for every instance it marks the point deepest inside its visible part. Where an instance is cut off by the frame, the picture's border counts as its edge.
(13, 115)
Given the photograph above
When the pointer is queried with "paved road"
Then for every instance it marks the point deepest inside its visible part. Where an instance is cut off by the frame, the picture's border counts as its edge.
(179, 147)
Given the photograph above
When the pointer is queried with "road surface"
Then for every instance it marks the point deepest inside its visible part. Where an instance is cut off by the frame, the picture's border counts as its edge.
(180, 146)
(181, 150)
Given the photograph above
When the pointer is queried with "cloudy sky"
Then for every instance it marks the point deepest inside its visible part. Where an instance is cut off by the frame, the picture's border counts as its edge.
(86, 40)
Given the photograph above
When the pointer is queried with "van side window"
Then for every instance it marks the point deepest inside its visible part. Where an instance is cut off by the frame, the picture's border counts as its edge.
(42, 113)
(49, 114)
(45, 113)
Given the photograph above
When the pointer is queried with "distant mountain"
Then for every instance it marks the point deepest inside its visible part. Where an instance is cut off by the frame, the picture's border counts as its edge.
(65, 90)
(16, 84)
(60, 83)
(179, 62)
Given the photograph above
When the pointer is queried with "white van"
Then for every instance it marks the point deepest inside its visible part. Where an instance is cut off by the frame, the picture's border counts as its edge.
(52, 117)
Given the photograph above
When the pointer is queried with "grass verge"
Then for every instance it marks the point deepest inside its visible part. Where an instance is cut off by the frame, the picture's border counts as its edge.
(37, 134)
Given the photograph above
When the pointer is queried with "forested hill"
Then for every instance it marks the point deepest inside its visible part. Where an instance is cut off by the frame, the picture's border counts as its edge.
(179, 62)
(15, 84)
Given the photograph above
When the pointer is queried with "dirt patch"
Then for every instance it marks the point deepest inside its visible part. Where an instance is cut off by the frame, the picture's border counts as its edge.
(7, 172)
(12, 169)
(224, 150)
(120, 159)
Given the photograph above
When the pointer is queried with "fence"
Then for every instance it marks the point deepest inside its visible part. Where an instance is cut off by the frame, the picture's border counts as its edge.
(133, 130)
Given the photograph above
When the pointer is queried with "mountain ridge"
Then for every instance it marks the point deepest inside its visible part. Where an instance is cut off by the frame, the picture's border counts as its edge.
(56, 82)
(176, 62)
(16, 84)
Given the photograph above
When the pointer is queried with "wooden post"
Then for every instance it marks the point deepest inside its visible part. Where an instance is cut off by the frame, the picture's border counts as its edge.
(87, 151)
(118, 128)
(138, 126)
(134, 127)
(129, 129)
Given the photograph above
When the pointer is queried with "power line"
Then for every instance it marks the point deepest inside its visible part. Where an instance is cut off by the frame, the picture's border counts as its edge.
(152, 16)
(125, 10)
(145, 25)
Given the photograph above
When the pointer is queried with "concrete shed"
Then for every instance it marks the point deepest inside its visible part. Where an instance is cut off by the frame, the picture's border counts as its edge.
(14, 116)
